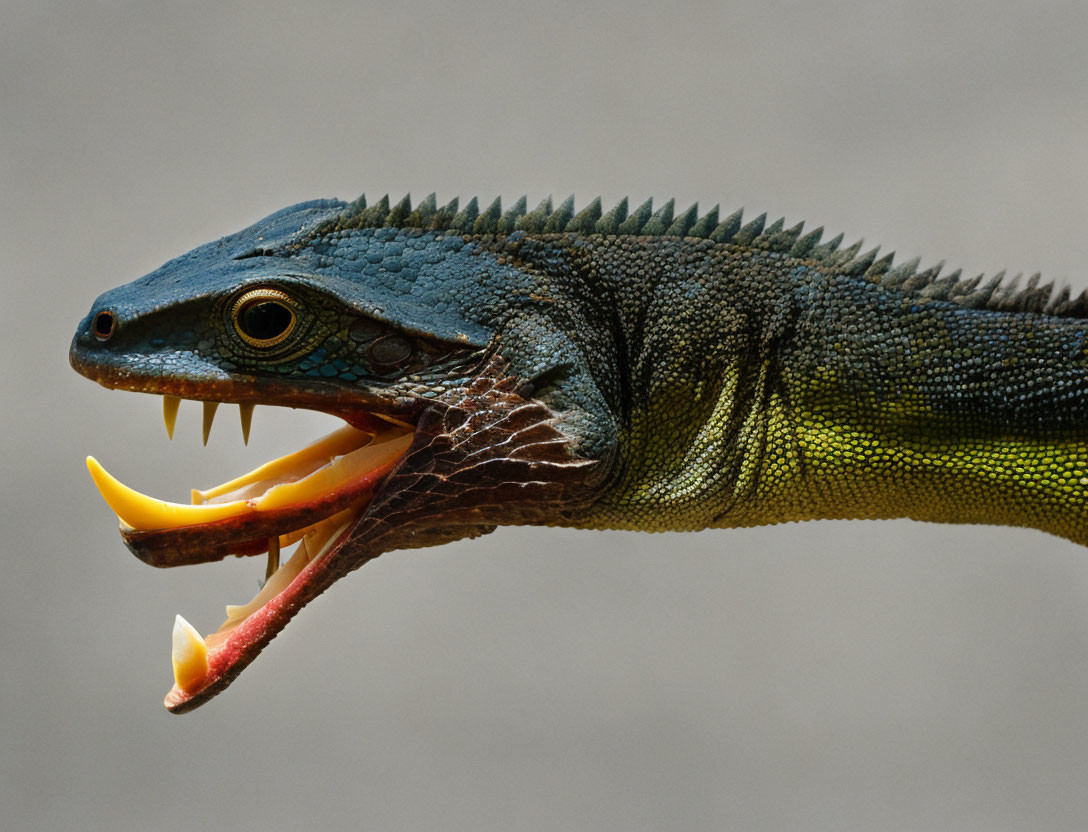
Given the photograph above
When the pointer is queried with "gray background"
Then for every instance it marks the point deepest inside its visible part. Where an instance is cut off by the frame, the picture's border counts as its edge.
(888, 676)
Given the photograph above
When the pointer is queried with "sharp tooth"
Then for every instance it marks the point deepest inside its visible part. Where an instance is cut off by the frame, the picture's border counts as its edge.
(139, 511)
(209, 417)
(170, 413)
(320, 469)
(189, 654)
(273, 557)
(245, 411)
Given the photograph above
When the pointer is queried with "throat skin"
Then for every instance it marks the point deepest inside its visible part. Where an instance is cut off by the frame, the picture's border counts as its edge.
(834, 398)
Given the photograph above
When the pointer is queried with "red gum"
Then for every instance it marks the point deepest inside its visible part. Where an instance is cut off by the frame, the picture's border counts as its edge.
(263, 624)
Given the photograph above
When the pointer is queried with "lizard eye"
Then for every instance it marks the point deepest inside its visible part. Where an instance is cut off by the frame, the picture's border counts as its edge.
(263, 317)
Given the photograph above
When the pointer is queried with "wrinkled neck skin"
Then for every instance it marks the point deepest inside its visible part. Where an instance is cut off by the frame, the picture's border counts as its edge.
(753, 394)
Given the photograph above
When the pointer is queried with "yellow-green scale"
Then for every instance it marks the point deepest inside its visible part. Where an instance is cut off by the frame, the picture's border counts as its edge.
(895, 459)
(692, 463)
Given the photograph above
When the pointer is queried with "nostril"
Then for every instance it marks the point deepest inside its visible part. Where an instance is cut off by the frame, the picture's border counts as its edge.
(105, 323)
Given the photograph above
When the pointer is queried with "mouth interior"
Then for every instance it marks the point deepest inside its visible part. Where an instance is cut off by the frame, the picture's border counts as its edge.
(346, 463)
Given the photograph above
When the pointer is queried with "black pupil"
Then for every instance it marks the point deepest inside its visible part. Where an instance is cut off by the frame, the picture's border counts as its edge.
(265, 320)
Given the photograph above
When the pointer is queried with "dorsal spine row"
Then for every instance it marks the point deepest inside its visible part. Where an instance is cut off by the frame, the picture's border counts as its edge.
(996, 294)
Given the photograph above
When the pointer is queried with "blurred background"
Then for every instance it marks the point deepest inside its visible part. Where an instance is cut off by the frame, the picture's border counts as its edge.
(826, 676)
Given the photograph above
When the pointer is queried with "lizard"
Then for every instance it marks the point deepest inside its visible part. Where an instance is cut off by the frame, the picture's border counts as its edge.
(641, 369)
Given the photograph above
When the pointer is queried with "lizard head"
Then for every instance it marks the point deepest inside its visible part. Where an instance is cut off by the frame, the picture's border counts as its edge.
(467, 403)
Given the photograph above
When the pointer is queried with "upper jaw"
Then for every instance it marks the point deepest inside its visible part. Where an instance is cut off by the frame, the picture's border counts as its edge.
(204, 382)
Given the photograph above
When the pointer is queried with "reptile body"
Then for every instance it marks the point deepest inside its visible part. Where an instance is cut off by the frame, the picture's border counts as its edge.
(630, 369)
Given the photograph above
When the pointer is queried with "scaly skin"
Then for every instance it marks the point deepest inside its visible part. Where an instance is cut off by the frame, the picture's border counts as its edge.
(640, 371)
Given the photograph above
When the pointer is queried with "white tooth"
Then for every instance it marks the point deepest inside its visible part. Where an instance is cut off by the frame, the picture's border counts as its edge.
(209, 417)
(245, 411)
(170, 413)
(189, 654)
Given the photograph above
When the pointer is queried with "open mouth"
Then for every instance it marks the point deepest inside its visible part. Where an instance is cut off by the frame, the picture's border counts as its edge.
(311, 499)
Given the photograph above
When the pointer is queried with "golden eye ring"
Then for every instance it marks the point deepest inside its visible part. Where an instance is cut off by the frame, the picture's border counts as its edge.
(264, 317)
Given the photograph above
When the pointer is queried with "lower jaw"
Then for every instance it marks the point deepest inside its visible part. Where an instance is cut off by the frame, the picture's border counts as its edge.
(238, 641)
(204, 666)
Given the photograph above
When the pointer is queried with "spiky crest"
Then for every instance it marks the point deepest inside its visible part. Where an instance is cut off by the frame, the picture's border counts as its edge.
(996, 294)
